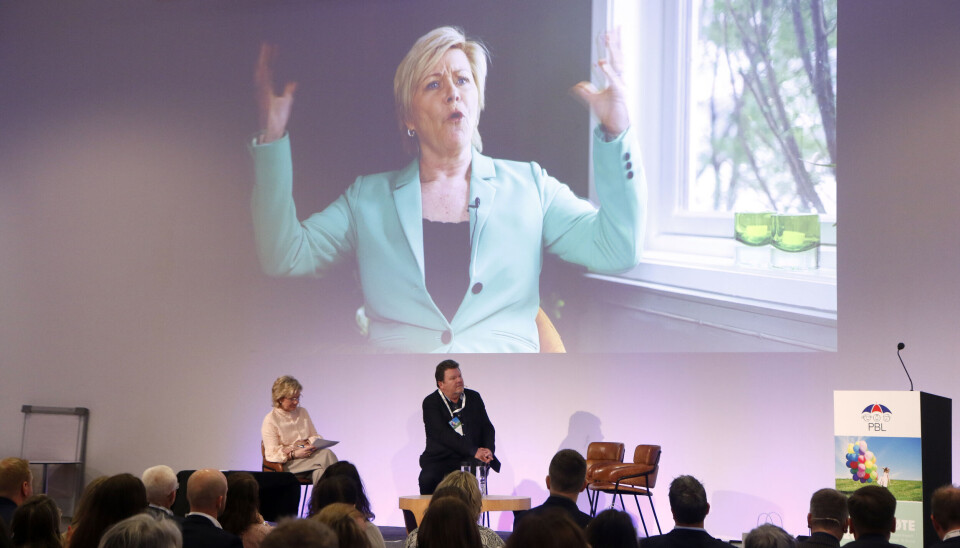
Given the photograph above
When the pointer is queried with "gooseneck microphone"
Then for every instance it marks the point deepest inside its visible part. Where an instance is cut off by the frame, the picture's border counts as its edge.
(901, 346)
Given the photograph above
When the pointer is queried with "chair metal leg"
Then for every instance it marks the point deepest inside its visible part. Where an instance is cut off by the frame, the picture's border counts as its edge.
(304, 499)
(640, 513)
(655, 515)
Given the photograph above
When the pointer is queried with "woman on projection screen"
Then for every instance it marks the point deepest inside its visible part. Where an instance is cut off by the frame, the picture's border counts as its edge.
(449, 248)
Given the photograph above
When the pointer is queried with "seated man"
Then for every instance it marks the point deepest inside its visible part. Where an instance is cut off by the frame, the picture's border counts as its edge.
(688, 504)
(16, 485)
(161, 484)
(945, 514)
(566, 479)
(457, 429)
(872, 517)
(207, 495)
(827, 519)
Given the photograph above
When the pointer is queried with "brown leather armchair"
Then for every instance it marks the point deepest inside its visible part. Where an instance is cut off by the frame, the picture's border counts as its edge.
(637, 478)
(600, 453)
(267, 465)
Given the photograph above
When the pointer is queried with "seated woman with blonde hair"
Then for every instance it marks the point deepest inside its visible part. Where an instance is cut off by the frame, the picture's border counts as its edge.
(347, 522)
(463, 486)
(288, 433)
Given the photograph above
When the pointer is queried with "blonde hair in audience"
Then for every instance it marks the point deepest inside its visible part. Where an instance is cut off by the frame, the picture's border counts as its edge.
(345, 520)
(466, 482)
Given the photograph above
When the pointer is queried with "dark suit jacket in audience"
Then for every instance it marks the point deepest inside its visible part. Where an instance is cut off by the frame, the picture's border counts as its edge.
(683, 538)
(818, 540)
(953, 542)
(200, 532)
(7, 508)
(872, 541)
(563, 504)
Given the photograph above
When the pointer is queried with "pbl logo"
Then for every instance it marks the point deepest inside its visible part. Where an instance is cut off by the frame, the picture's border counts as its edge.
(875, 415)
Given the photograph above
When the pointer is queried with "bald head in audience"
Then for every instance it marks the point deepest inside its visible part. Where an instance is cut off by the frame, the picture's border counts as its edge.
(207, 492)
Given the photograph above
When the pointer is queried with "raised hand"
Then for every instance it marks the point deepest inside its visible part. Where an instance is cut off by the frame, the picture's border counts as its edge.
(274, 109)
(609, 104)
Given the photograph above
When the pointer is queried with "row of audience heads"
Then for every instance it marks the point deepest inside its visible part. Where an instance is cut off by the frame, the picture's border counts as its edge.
(340, 503)
(108, 501)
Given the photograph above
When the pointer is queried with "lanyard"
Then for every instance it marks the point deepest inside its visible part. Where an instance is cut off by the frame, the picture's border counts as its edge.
(449, 409)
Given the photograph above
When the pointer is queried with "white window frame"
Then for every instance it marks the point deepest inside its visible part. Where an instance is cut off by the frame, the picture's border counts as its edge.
(692, 254)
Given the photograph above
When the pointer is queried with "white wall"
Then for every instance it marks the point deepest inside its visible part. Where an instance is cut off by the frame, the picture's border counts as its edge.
(149, 309)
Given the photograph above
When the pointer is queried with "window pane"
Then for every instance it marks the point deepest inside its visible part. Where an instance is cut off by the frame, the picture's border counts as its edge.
(762, 107)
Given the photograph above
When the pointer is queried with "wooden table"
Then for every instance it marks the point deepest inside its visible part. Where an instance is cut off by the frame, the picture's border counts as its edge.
(491, 503)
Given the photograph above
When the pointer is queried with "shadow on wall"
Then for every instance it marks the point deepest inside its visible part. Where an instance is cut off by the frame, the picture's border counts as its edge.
(732, 507)
(406, 460)
(583, 428)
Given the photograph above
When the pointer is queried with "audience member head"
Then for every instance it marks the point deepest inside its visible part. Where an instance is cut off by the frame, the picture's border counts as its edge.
(331, 490)
(448, 522)
(285, 387)
(872, 510)
(769, 536)
(80, 510)
(550, 529)
(207, 492)
(115, 499)
(467, 483)
(346, 522)
(945, 509)
(346, 468)
(243, 503)
(36, 523)
(16, 480)
(161, 484)
(688, 501)
(567, 474)
(612, 529)
(143, 531)
(828, 512)
(300, 533)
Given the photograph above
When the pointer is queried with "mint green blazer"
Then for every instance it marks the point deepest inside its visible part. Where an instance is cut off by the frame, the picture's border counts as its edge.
(523, 213)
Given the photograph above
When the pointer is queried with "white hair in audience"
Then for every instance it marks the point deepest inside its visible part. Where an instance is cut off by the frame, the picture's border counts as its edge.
(769, 536)
(160, 481)
(143, 531)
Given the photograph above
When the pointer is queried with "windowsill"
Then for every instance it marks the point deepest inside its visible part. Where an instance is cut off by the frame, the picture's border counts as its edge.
(787, 309)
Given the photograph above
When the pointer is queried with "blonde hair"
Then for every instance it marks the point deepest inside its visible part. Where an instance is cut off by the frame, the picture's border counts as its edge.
(13, 472)
(425, 53)
(284, 387)
(345, 521)
(466, 482)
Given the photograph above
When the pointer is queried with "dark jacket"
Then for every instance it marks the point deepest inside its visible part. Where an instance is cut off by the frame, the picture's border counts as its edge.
(444, 445)
(200, 532)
